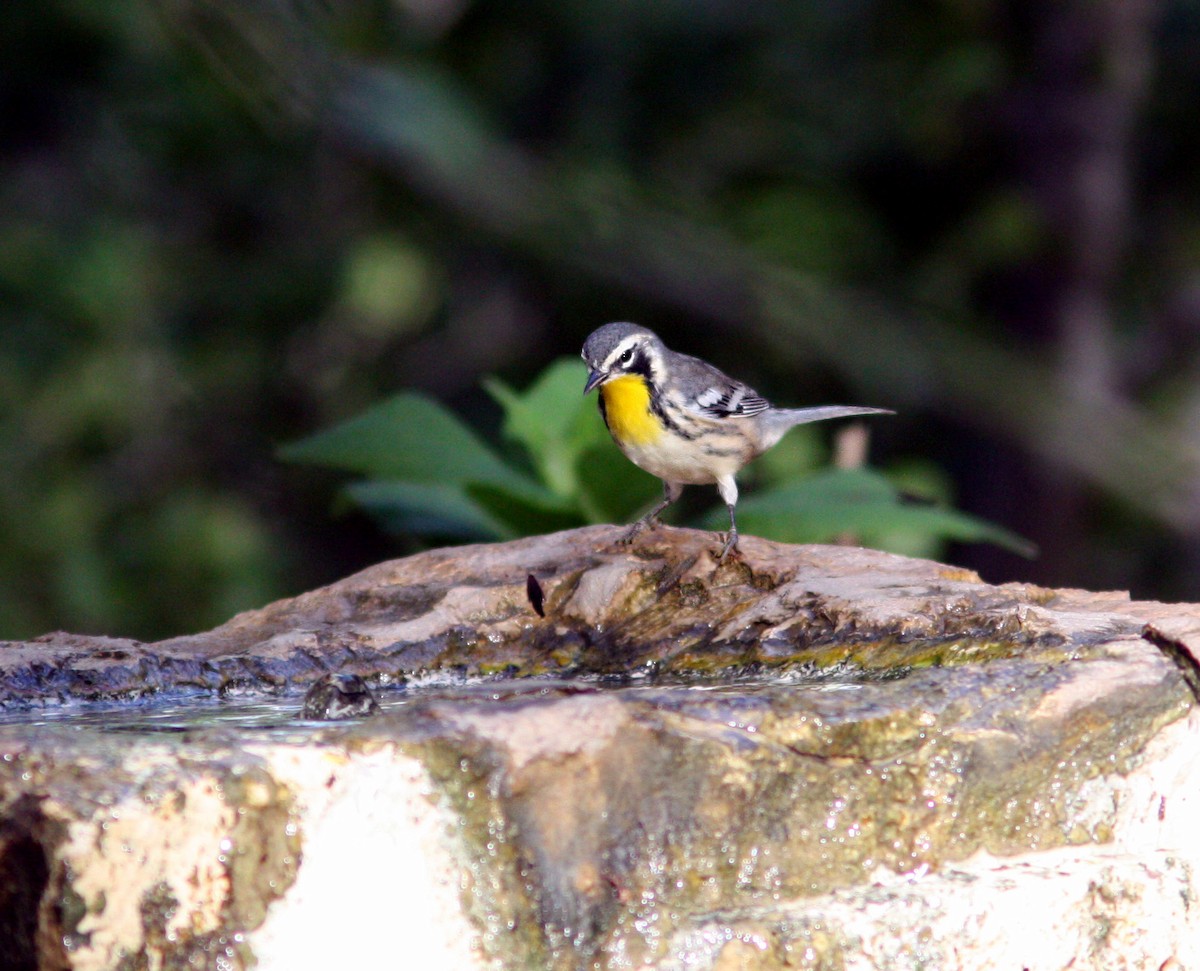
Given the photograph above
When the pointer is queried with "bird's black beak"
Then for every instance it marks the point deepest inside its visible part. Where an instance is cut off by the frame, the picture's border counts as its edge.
(595, 376)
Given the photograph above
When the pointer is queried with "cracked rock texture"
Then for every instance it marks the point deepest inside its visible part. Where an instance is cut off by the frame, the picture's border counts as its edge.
(817, 757)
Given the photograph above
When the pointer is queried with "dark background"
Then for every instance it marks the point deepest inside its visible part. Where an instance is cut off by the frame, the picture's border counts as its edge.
(226, 225)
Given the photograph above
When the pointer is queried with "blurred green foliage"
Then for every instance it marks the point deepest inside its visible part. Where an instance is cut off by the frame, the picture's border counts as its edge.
(225, 224)
(428, 474)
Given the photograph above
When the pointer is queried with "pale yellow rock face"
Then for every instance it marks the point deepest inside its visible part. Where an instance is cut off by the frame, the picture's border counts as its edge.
(819, 757)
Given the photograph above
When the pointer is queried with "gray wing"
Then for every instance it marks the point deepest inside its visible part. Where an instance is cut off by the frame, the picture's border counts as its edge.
(710, 393)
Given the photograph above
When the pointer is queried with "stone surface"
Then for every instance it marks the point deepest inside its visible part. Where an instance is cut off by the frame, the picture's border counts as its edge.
(820, 758)
(663, 607)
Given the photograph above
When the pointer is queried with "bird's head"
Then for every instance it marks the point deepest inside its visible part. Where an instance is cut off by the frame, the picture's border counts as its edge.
(618, 349)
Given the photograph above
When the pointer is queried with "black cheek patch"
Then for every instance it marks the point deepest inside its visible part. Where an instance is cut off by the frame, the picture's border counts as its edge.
(640, 364)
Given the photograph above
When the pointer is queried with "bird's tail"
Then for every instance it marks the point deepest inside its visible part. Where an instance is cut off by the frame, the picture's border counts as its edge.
(779, 420)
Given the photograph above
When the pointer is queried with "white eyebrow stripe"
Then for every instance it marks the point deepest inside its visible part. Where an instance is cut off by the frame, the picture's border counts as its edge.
(625, 345)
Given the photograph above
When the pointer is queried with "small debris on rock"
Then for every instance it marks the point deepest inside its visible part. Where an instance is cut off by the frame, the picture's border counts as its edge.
(537, 597)
(338, 696)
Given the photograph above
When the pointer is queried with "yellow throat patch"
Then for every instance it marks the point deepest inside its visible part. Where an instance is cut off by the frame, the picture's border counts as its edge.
(627, 410)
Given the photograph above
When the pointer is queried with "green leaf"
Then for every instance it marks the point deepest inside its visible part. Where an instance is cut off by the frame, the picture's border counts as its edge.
(613, 489)
(553, 421)
(802, 452)
(570, 447)
(526, 513)
(432, 510)
(861, 503)
(544, 412)
(429, 474)
(411, 438)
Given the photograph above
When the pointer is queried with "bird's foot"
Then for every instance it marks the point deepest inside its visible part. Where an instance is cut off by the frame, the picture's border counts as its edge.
(731, 547)
(634, 531)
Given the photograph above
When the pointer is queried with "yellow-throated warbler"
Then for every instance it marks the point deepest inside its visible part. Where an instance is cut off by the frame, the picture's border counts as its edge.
(681, 419)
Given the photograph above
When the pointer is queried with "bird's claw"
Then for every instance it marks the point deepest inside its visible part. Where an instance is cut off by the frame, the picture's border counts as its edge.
(634, 531)
(730, 547)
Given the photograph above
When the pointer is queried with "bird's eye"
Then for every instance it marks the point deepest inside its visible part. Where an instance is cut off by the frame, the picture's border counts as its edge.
(626, 358)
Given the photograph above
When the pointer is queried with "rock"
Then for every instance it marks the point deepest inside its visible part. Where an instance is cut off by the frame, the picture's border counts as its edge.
(664, 608)
(817, 758)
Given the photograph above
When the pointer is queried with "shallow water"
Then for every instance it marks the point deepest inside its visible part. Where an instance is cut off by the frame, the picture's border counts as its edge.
(251, 711)
(278, 716)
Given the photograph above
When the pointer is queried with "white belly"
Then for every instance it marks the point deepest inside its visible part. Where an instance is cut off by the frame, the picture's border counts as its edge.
(677, 460)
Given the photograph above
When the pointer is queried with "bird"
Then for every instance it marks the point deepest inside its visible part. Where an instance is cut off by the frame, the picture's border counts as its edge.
(683, 420)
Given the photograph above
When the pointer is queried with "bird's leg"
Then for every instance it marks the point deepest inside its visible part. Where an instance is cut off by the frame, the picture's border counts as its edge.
(729, 492)
(671, 492)
(731, 543)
